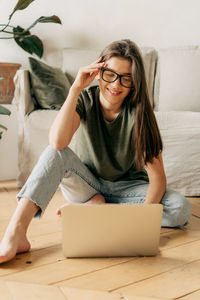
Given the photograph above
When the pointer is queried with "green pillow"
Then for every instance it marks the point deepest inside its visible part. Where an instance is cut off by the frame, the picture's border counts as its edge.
(50, 86)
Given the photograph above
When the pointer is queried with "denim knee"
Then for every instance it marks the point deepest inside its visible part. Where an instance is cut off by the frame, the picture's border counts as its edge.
(176, 211)
(184, 210)
(49, 172)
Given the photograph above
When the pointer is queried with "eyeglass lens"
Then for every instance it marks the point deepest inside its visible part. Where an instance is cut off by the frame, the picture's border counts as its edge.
(110, 76)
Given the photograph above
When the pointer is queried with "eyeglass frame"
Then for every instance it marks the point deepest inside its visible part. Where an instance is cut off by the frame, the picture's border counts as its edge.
(118, 76)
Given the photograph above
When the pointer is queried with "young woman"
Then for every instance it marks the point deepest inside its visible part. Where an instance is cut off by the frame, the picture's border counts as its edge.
(118, 153)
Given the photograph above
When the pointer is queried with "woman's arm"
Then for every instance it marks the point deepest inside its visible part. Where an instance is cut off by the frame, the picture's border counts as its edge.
(157, 180)
(67, 120)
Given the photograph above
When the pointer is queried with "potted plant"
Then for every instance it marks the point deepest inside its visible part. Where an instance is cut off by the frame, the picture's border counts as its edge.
(3, 111)
(23, 37)
(26, 40)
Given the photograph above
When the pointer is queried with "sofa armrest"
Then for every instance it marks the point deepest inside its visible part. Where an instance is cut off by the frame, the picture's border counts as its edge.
(22, 100)
(22, 96)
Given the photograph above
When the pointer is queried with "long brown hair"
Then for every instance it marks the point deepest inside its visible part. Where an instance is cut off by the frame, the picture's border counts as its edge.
(147, 141)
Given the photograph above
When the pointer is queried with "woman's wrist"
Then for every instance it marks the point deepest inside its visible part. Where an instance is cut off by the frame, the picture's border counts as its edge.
(75, 89)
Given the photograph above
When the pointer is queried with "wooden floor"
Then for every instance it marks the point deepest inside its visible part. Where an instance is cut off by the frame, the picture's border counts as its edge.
(43, 273)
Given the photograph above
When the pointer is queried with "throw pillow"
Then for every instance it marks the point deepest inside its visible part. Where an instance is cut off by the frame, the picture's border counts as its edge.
(50, 86)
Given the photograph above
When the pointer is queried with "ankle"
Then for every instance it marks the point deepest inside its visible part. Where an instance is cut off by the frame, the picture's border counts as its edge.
(22, 216)
(15, 229)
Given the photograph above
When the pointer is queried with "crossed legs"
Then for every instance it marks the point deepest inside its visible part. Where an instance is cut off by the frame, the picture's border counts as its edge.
(44, 181)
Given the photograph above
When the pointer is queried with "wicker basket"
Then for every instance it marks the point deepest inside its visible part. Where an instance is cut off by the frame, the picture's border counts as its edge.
(7, 73)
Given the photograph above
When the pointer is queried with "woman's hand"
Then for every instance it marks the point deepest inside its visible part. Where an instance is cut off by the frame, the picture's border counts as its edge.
(157, 180)
(87, 74)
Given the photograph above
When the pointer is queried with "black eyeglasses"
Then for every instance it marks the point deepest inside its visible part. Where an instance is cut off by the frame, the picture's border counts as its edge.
(111, 76)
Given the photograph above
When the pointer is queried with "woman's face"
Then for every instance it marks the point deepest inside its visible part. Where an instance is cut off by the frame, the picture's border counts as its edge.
(113, 93)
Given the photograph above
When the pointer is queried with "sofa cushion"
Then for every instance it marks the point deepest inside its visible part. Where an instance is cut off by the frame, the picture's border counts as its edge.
(180, 132)
(73, 59)
(178, 79)
(50, 86)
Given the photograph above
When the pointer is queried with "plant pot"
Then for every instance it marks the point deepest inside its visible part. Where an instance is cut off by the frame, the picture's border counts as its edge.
(7, 88)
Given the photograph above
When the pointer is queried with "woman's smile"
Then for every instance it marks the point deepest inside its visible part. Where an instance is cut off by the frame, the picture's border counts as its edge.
(114, 92)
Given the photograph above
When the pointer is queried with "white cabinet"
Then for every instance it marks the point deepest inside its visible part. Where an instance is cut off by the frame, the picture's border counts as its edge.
(8, 145)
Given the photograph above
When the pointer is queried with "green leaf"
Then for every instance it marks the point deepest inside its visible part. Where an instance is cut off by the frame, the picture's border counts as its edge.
(30, 43)
(4, 111)
(1, 126)
(19, 35)
(21, 4)
(50, 19)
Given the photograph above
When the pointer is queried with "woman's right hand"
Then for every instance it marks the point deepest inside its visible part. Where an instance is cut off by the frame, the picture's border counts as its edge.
(87, 74)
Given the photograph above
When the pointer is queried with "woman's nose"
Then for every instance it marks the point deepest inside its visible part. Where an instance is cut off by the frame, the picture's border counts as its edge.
(116, 83)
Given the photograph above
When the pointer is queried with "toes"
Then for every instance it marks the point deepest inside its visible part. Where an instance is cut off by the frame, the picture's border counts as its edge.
(58, 212)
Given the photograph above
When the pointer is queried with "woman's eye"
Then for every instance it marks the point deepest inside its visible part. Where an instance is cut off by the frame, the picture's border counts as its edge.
(127, 79)
(111, 75)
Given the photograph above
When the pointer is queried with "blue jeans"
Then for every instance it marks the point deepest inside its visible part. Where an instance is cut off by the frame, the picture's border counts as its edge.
(78, 184)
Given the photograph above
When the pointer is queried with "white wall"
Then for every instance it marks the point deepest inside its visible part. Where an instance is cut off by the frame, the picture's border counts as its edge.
(94, 23)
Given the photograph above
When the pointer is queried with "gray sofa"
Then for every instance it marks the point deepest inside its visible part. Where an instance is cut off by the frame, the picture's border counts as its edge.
(173, 79)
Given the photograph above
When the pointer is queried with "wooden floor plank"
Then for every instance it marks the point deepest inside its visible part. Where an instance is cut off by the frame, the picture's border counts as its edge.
(10, 290)
(81, 294)
(134, 297)
(194, 224)
(196, 210)
(61, 270)
(4, 291)
(173, 284)
(8, 205)
(195, 205)
(25, 262)
(23, 291)
(45, 240)
(37, 227)
(194, 200)
(136, 270)
(75, 294)
(192, 296)
(8, 183)
(178, 237)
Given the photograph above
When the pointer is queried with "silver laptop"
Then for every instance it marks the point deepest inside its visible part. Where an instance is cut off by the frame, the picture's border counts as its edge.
(109, 230)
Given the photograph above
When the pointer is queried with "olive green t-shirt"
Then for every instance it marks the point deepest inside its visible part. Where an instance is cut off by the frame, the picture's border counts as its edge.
(105, 147)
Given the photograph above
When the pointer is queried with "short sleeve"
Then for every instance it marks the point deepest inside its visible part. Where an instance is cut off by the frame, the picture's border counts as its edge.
(85, 101)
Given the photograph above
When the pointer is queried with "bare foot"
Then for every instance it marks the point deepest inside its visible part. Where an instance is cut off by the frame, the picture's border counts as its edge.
(14, 240)
(96, 199)
(13, 244)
